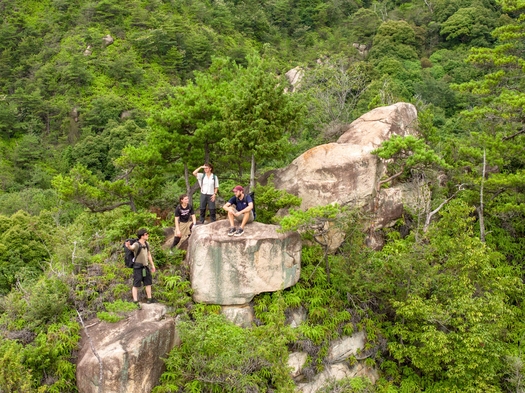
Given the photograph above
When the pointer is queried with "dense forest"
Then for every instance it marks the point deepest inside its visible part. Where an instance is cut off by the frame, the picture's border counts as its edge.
(106, 107)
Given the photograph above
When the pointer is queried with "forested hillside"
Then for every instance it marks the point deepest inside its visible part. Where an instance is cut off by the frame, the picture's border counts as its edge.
(106, 107)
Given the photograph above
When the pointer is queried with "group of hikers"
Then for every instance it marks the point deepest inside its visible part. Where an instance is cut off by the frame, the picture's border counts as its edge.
(239, 209)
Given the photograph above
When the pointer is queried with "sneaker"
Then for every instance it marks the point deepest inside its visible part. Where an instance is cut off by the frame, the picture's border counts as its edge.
(136, 303)
(238, 232)
(232, 231)
(151, 300)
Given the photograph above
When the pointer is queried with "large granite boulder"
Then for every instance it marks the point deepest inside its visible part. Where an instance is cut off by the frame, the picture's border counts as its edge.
(345, 172)
(378, 125)
(229, 270)
(130, 352)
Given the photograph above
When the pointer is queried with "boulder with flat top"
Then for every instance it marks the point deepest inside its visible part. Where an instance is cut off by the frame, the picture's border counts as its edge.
(230, 270)
(126, 356)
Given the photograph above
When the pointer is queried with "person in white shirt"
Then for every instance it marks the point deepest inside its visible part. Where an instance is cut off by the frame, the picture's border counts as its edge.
(209, 187)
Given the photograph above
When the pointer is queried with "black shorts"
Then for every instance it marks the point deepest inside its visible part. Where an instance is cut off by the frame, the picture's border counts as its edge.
(139, 278)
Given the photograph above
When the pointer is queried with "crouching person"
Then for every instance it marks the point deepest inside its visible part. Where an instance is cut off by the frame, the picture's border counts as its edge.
(240, 210)
(184, 220)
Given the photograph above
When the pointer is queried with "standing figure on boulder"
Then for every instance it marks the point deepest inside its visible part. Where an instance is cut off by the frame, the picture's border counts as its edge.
(183, 224)
(209, 188)
(240, 209)
(141, 268)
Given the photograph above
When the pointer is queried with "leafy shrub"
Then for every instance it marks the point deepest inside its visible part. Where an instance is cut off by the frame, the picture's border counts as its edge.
(48, 298)
(15, 377)
(268, 201)
(216, 355)
(116, 311)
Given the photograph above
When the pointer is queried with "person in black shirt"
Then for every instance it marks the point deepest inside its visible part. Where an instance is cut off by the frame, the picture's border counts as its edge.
(184, 220)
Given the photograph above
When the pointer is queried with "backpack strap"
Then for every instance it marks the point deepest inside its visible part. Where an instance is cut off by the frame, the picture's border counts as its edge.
(140, 249)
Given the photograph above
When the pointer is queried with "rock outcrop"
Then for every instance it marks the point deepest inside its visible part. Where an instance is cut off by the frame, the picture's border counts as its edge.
(229, 270)
(130, 352)
(336, 364)
(294, 76)
(335, 372)
(346, 172)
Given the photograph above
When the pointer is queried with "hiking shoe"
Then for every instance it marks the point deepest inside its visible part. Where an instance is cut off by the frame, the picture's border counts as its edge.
(151, 300)
(231, 232)
(238, 232)
(137, 304)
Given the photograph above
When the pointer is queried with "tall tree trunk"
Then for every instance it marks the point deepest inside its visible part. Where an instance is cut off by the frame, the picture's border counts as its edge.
(131, 200)
(481, 206)
(252, 174)
(187, 182)
(206, 153)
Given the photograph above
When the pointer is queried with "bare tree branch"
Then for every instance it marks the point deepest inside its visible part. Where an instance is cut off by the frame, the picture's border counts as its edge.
(429, 215)
(100, 369)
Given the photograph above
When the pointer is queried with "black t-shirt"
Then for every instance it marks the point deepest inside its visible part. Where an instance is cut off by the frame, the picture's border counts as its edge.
(184, 214)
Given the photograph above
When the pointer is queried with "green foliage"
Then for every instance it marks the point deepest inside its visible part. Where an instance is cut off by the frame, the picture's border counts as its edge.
(14, 376)
(408, 153)
(312, 220)
(116, 311)
(269, 201)
(348, 385)
(259, 117)
(450, 304)
(394, 39)
(217, 355)
(332, 89)
(75, 109)
(48, 299)
(174, 290)
(471, 24)
(22, 252)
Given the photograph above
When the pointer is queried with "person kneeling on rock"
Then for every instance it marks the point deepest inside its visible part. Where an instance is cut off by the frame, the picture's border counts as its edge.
(240, 209)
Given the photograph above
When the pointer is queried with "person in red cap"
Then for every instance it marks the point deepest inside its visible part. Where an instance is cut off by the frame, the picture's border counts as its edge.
(240, 209)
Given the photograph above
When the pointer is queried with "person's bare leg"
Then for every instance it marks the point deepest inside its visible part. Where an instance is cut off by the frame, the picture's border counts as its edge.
(245, 218)
(231, 218)
(148, 291)
(135, 294)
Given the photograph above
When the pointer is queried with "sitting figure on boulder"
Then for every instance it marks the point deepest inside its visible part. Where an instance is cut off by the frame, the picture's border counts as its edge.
(240, 209)
(184, 220)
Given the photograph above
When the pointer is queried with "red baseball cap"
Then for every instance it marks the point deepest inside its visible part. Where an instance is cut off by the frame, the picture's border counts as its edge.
(238, 188)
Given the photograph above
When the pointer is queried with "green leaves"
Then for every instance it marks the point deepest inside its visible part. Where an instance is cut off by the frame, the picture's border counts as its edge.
(451, 321)
(218, 356)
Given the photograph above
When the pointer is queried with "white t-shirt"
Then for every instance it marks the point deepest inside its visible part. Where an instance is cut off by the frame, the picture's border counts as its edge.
(208, 185)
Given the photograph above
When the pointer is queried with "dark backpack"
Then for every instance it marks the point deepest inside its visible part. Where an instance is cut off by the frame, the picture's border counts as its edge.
(129, 256)
(252, 194)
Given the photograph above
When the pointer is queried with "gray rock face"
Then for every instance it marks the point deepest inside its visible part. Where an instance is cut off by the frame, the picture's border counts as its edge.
(130, 351)
(232, 270)
(294, 76)
(242, 316)
(346, 172)
(336, 372)
(345, 347)
(378, 125)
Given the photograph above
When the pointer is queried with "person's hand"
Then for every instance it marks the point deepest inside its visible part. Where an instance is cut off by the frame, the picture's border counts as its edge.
(127, 244)
(177, 233)
(153, 269)
(212, 198)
